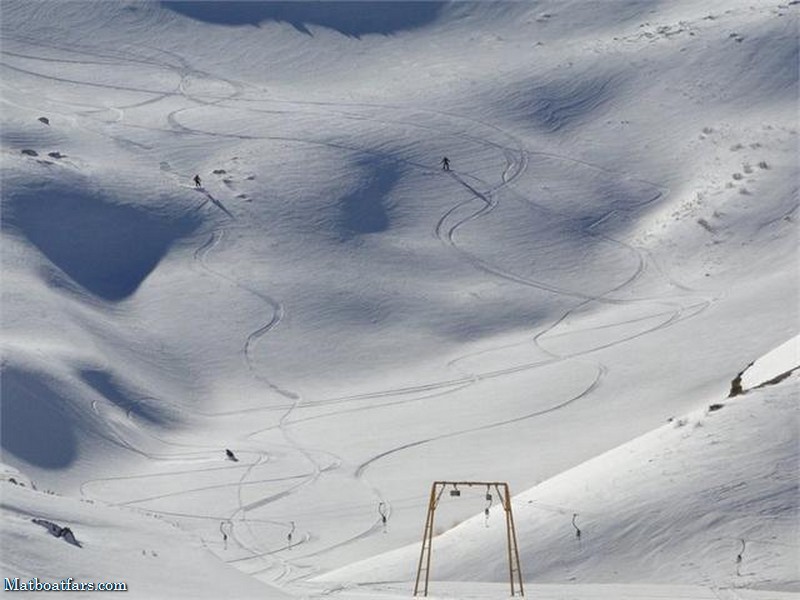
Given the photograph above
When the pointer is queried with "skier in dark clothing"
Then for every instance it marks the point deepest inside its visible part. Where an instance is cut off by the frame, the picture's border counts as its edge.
(445, 164)
(197, 180)
(224, 534)
(231, 455)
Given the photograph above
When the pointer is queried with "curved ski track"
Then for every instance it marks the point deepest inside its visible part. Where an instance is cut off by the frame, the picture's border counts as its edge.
(516, 162)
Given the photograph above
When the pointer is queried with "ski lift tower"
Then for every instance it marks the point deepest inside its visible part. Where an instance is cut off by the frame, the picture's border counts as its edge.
(437, 490)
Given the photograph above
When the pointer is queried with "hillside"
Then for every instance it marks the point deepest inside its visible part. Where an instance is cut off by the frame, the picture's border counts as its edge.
(616, 240)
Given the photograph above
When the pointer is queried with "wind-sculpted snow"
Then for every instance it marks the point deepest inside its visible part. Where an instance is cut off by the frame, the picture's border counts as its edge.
(16, 135)
(767, 70)
(563, 102)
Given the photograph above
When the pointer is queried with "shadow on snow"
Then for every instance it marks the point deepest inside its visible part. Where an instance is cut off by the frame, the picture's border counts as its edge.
(34, 425)
(366, 210)
(117, 393)
(108, 249)
(350, 18)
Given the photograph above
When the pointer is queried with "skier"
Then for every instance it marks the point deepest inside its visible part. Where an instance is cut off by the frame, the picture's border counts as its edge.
(445, 164)
(382, 513)
(231, 455)
(289, 535)
(197, 181)
(224, 534)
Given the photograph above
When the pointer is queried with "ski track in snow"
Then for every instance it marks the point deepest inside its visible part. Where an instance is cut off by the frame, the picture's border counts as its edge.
(516, 158)
(447, 234)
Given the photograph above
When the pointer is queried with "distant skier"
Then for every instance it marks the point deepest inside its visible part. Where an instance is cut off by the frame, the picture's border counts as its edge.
(231, 455)
(445, 164)
(197, 181)
(382, 513)
(289, 535)
(577, 529)
(224, 535)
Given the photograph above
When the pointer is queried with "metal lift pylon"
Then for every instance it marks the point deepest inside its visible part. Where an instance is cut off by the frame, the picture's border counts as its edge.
(437, 489)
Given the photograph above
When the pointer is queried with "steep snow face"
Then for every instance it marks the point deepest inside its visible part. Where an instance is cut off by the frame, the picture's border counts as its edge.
(710, 497)
(616, 239)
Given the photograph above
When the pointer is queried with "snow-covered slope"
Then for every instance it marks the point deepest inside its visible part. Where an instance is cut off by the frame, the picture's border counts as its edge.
(617, 239)
(147, 553)
(709, 498)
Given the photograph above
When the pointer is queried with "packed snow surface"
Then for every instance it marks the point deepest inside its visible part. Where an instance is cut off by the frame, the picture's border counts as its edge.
(223, 389)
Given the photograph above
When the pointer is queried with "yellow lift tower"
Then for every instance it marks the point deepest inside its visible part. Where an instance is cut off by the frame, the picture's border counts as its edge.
(437, 489)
